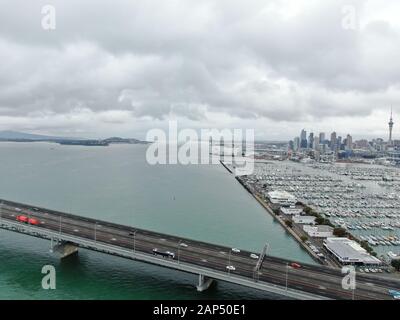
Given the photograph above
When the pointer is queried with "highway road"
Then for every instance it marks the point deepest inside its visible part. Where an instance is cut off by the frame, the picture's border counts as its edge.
(322, 280)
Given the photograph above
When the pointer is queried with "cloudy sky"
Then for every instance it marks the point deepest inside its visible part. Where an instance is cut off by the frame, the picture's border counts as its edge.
(123, 67)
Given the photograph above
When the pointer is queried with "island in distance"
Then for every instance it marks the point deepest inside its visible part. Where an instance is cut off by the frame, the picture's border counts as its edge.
(14, 136)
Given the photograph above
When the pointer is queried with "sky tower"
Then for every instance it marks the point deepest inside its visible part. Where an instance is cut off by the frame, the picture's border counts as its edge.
(391, 123)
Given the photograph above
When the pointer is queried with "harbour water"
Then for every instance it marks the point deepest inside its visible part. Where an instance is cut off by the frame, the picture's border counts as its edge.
(115, 183)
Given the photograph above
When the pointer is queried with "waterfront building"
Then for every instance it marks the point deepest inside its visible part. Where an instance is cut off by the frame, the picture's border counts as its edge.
(282, 198)
(304, 219)
(320, 231)
(347, 251)
(291, 211)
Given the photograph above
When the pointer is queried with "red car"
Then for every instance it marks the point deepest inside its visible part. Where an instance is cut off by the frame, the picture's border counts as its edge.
(22, 218)
(295, 265)
(33, 221)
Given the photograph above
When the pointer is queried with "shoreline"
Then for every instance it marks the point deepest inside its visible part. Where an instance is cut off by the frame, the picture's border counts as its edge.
(282, 223)
(226, 167)
(276, 218)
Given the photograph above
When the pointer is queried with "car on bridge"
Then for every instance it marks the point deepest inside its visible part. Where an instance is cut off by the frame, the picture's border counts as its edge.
(295, 265)
(25, 219)
(33, 221)
(166, 254)
(231, 268)
(22, 218)
(395, 294)
(235, 250)
(254, 256)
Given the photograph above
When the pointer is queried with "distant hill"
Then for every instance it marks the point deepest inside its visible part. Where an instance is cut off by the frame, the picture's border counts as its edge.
(124, 140)
(28, 137)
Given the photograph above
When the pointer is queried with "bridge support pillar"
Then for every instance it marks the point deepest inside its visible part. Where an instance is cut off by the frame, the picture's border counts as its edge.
(204, 283)
(65, 249)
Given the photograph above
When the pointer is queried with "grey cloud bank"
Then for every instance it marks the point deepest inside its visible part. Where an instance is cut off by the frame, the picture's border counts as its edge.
(123, 67)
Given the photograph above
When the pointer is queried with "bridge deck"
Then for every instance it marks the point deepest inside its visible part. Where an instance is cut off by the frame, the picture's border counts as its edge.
(211, 260)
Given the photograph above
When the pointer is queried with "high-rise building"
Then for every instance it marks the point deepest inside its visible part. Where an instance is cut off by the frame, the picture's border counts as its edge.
(311, 140)
(303, 139)
(321, 137)
(333, 141)
(291, 145)
(296, 144)
(339, 142)
(316, 143)
(391, 123)
(349, 142)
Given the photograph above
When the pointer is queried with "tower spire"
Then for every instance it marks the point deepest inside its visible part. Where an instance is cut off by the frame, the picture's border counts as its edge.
(391, 123)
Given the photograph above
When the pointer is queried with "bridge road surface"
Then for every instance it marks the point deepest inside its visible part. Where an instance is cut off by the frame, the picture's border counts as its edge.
(321, 280)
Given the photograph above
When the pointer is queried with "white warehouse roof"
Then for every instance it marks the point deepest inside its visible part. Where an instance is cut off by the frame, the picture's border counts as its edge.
(282, 197)
(349, 251)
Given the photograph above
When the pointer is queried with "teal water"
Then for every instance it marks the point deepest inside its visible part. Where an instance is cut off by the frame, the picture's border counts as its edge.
(116, 184)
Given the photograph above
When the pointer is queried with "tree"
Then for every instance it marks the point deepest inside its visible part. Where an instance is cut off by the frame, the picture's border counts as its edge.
(324, 221)
(366, 246)
(339, 232)
(304, 238)
(289, 223)
(307, 210)
(320, 220)
(276, 211)
(396, 264)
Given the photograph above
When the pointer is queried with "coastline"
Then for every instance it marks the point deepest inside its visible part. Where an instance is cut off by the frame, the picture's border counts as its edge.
(276, 218)
(226, 167)
(287, 229)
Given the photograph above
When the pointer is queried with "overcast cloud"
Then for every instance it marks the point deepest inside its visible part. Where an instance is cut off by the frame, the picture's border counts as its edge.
(123, 67)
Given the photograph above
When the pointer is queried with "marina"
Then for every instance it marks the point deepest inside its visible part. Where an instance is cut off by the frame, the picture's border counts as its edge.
(360, 198)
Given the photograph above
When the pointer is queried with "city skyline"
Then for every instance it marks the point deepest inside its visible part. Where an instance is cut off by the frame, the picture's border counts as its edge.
(323, 134)
(343, 146)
